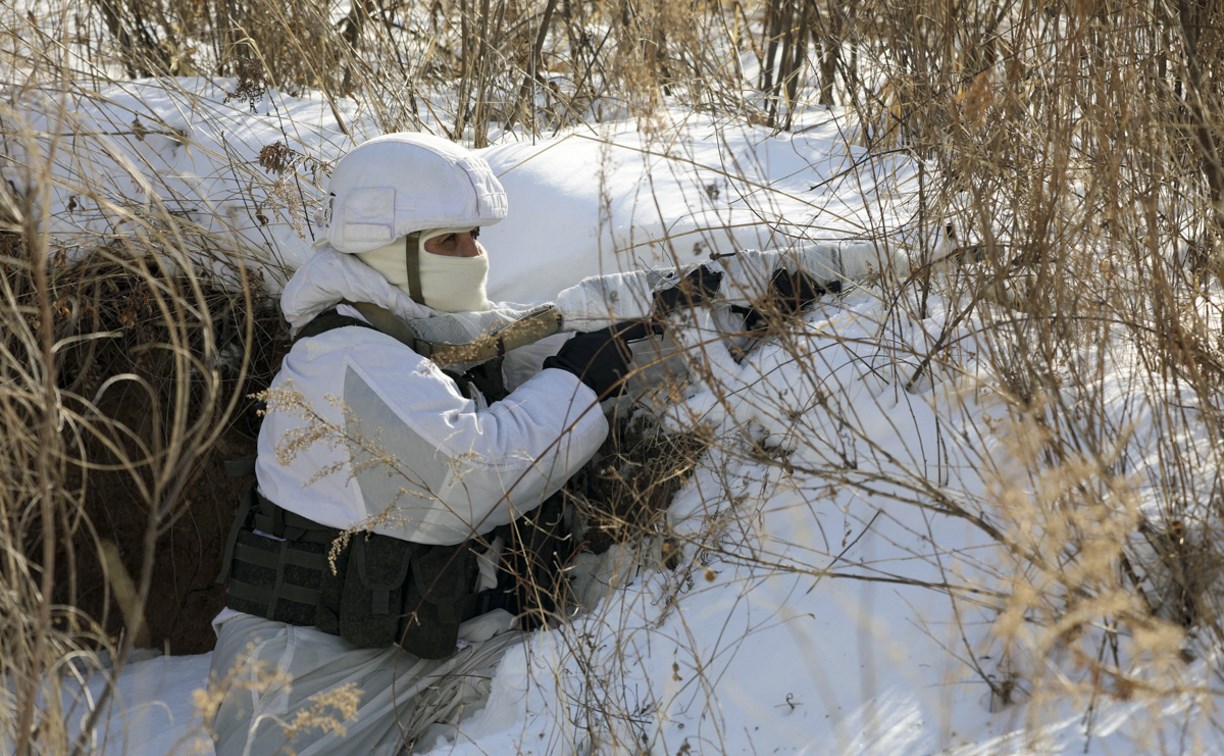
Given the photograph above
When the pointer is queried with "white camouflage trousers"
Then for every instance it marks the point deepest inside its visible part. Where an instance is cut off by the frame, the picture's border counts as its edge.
(284, 687)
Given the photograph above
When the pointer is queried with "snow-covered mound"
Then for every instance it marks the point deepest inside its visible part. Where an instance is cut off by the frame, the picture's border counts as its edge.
(246, 178)
(623, 200)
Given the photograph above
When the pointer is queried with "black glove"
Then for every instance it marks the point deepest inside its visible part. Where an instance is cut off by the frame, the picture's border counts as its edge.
(600, 358)
(697, 287)
(789, 292)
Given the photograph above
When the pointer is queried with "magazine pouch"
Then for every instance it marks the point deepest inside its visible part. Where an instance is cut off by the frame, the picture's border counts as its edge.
(439, 596)
(372, 591)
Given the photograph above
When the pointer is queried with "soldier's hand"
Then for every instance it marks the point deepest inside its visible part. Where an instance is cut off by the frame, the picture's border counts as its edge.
(698, 286)
(601, 359)
(789, 293)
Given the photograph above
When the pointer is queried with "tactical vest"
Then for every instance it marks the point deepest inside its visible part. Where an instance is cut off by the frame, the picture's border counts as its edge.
(378, 589)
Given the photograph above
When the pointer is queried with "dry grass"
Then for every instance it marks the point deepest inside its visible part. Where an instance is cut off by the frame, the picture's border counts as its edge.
(124, 375)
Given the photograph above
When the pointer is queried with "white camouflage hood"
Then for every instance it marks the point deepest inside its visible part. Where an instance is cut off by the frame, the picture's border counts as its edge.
(328, 277)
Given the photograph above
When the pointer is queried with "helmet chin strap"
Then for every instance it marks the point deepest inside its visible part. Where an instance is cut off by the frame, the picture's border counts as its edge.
(412, 260)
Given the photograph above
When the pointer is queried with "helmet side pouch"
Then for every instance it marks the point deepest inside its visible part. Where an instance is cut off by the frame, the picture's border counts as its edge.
(367, 216)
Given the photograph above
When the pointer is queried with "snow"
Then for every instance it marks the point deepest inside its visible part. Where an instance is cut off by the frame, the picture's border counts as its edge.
(802, 617)
(602, 201)
(154, 710)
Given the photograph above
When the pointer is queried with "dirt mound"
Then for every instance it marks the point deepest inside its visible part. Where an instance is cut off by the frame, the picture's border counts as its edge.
(158, 369)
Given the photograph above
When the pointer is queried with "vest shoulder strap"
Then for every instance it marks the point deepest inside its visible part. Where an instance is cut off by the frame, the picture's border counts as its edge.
(539, 323)
(328, 321)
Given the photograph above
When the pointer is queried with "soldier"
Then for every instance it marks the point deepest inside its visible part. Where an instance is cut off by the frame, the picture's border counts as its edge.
(391, 494)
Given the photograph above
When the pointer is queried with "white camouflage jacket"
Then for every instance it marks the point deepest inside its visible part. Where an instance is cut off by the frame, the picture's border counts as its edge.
(403, 451)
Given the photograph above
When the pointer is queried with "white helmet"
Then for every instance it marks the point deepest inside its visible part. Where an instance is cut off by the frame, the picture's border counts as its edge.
(396, 184)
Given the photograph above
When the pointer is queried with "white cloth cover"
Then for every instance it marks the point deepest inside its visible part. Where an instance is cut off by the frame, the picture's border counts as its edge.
(395, 184)
(268, 672)
(430, 465)
(598, 301)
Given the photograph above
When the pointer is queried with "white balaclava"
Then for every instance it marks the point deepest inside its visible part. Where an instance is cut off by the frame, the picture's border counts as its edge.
(447, 284)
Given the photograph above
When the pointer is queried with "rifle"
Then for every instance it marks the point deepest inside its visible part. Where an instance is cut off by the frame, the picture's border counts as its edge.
(752, 285)
(738, 296)
(748, 278)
